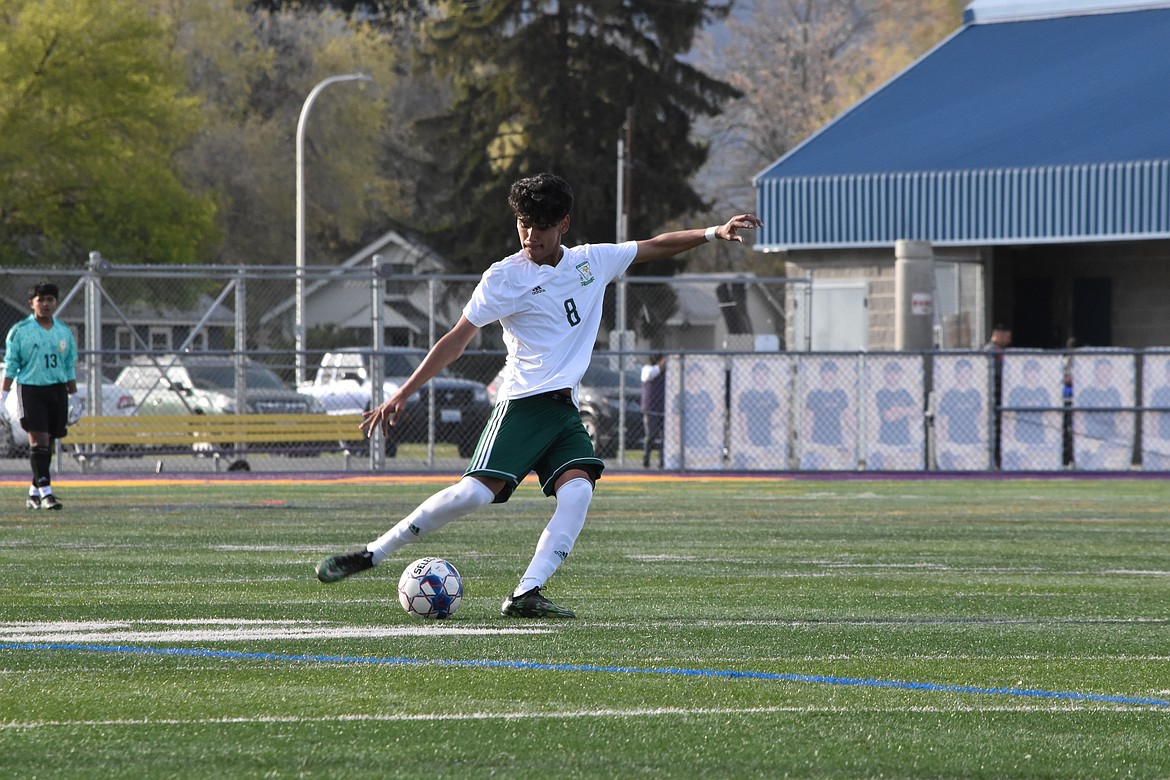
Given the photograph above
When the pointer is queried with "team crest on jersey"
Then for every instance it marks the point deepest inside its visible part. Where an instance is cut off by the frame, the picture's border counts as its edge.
(62, 345)
(586, 274)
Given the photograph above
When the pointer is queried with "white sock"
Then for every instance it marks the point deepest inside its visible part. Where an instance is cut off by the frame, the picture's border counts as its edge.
(556, 542)
(464, 497)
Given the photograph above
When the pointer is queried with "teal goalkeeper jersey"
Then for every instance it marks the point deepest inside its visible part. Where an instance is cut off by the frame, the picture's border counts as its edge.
(35, 356)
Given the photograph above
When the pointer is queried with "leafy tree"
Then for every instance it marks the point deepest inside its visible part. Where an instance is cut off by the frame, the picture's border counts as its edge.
(549, 86)
(92, 112)
(255, 69)
(798, 63)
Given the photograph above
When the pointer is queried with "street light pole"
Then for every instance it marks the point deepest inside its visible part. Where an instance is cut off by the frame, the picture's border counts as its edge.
(299, 326)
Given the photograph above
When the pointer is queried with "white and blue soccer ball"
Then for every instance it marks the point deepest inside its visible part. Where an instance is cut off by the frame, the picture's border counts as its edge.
(430, 588)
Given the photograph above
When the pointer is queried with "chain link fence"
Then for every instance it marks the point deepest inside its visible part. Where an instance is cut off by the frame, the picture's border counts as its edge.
(733, 395)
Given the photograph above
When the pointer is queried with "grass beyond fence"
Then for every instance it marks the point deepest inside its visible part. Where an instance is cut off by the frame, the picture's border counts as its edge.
(729, 628)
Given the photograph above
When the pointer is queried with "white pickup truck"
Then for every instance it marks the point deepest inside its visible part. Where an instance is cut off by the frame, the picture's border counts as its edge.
(342, 385)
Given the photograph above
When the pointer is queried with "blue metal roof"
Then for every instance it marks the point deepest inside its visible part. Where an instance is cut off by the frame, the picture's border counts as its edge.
(1034, 130)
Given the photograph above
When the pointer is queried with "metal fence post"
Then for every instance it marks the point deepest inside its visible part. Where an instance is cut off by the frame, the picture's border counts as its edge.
(93, 332)
(93, 337)
(682, 412)
(432, 431)
(377, 369)
(241, 325)
(620, 323)
(241, 347)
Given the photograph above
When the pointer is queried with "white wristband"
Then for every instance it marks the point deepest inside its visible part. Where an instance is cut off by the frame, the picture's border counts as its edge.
(709, 234)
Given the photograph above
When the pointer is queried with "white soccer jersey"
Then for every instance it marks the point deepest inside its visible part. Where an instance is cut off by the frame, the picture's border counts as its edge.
(550, 314)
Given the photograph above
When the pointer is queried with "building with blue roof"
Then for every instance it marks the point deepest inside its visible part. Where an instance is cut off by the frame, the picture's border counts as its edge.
(1031, 149)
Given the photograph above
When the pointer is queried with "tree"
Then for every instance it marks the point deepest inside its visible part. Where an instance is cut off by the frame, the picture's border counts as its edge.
(92, 112)
(799, 63)
(549, 87)
(254, 70)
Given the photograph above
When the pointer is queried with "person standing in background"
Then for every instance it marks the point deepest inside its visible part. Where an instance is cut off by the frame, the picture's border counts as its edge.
(653, 407)
(1001, 339)
(40, 353)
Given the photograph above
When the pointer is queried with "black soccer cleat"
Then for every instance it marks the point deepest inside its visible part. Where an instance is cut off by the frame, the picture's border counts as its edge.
(338, 567)
(50, 502)
(531, 604)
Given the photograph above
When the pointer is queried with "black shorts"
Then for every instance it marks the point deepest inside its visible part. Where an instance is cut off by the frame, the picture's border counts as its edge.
(44, 409)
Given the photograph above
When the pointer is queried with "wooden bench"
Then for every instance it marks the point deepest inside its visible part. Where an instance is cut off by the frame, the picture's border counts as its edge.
(216, 436)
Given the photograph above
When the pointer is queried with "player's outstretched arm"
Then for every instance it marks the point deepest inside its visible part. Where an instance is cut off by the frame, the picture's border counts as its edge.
(445, 351)
(670, 244)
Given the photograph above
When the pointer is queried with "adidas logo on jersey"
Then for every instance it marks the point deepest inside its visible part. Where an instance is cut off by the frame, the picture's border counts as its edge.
(537, 290)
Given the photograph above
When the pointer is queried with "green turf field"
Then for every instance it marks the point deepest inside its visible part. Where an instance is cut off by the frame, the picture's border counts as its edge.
(729, 629)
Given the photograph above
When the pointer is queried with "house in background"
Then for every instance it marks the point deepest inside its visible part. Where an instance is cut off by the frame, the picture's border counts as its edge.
(341, 300)
(206, 325)
(739, 314)
(1030, 149)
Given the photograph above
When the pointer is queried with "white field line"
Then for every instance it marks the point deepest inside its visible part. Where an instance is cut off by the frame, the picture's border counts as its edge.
(875, 622)
(907, 566)
(234, 631)
(656, 712)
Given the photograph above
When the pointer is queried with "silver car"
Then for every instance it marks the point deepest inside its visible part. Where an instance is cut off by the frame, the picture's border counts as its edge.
(206, 384)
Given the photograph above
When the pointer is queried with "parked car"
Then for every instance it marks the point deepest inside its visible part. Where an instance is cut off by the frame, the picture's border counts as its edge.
(206, 384)
(343, 386)
(14, 439)
(599, 395)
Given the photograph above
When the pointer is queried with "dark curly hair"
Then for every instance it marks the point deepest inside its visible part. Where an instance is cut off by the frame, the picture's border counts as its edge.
(43, 288)
(542, 200)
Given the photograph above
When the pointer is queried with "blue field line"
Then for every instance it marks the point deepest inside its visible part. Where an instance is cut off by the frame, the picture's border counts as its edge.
(861, 682)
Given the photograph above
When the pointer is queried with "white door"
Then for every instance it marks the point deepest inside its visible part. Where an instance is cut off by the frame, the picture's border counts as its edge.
(839, 317)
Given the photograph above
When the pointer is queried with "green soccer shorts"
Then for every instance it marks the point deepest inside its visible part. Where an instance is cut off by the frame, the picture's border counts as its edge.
(538, 433)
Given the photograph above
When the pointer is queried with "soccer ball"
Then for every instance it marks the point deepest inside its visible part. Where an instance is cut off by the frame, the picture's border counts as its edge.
(430, 588)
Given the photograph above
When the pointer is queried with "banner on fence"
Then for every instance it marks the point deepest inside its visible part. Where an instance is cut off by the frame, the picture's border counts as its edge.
(696, 420)
(960, 412)
(1155, 423)
(761, 389)
(895, 430)
(1032, 440)
(1103, 430)
(827, 412)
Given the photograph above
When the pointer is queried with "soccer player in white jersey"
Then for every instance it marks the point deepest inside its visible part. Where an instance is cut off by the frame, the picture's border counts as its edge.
(548, 298)
(39, 356)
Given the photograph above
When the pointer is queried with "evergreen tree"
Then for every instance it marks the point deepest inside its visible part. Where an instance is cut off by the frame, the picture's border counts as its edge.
(548, 87)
